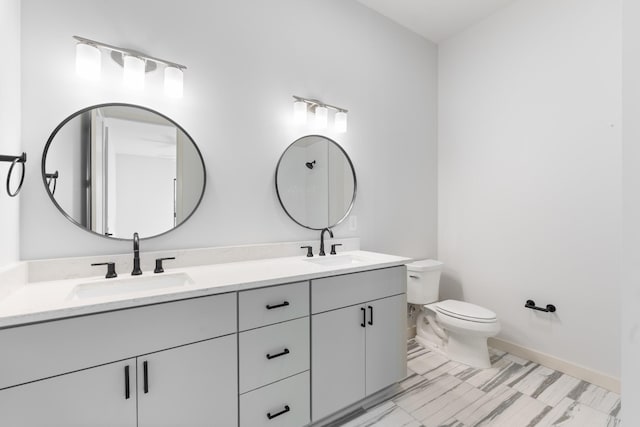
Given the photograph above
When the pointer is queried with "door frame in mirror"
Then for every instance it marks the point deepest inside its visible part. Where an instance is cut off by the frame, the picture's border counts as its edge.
(119, 104)
(353, 172)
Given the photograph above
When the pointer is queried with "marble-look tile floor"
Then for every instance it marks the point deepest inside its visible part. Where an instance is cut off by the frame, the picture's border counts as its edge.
(512, 393)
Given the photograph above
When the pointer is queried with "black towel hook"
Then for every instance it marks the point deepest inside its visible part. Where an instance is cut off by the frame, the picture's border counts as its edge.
(14, 160)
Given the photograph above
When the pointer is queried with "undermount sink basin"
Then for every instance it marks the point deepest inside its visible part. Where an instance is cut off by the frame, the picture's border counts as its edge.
(336, 260)
(117, 286)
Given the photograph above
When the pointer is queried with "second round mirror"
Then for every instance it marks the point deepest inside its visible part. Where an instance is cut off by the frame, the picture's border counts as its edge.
(316, 182)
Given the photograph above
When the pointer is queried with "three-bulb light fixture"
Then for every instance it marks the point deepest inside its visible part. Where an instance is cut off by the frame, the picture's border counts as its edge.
(320, 110)
(135, 65)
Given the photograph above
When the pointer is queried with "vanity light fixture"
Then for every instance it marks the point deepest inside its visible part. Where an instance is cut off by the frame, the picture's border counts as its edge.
(133, 74)
(173, 82)
(88, 61)
(88, 64)
(340, 122)
(321, 113)
(321, 116)
(300, 112)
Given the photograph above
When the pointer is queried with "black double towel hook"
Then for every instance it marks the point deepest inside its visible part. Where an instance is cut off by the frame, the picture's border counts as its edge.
(22, 159)
(532, 305)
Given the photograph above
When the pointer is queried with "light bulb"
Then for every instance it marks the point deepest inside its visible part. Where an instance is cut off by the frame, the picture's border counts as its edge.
(133, 75)
(321, 117)
(173, 82)
(299, 112)
(88, 61)
(340, 123)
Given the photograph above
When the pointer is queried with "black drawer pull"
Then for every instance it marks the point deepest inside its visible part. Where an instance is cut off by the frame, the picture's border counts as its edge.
(271, 307)
(127, 389)
(145, 372)
(277, 414)
(285, 351)
(370, 315)
(364, 317)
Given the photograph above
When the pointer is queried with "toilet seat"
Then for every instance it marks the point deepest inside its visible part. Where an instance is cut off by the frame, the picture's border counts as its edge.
(465, 311)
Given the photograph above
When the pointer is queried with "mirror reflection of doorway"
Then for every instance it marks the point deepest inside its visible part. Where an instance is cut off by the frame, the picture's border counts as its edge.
(135, 160)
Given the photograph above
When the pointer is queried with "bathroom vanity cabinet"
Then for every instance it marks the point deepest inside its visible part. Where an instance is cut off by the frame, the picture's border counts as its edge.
(358, 337)
(282, 355)
(90, 370)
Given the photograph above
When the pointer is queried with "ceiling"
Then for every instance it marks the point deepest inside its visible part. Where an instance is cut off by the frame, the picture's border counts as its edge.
(436, 20)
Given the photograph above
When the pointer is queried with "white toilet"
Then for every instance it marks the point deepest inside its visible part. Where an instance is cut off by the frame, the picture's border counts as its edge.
(458, 329)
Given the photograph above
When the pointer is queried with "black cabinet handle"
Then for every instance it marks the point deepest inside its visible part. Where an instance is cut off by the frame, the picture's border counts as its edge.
(277, 414)
(145, 373)
(370, 315)
(127, 389)
(271, 307)
(282, 353)
(364, 317)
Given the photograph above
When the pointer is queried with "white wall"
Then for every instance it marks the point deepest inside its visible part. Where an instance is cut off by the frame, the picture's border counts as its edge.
(9, 125)
(631, 215)
(529, 174)
(245, 59)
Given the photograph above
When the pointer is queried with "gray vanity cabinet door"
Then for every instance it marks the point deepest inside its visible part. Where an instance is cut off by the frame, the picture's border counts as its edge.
(93, 397)
(337, 362)
(386, 352)
(194, 385)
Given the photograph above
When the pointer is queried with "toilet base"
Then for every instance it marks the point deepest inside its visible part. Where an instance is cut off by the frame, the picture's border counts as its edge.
(468, 349)
(425, 334)
(429, 345)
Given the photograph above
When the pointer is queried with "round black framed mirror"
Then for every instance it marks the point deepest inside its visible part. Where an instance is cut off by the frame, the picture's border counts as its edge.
(316, 182)
(115, 169)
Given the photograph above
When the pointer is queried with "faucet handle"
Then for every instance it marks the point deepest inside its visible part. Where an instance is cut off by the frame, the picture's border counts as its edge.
(333, 248)
(111, 269)
(159, 268)
(309, 250)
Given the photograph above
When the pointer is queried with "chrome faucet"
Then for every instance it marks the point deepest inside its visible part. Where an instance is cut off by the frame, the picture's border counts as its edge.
(136, 255)
(322, 240)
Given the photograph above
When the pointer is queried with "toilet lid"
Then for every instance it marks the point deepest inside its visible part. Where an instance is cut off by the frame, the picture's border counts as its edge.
(465, 311)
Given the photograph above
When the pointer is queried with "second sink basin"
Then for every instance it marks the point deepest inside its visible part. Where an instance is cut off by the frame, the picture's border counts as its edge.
(336, 260)
(114, 287)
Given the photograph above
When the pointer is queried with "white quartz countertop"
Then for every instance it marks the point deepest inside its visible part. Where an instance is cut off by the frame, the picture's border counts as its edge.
(44, 301)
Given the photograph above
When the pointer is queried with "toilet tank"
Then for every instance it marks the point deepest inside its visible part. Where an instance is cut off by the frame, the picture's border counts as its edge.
(423, 281)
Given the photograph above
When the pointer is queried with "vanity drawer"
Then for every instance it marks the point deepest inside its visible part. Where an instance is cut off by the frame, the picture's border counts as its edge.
(341, 291)
(291, 394)
(46, 349)
(266, 306)
(288, 342)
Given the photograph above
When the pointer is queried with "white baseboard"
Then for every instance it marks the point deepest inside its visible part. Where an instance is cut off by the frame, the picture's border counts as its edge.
(594, 377)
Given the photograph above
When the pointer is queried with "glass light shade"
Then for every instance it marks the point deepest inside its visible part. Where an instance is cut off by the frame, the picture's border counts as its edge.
(173, 82)
(321, 117)
(133, 75)
(299, 112)
(88, 61)
(341, 122)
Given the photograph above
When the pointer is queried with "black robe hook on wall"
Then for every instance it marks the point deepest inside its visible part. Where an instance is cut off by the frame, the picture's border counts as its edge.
(22, 159)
